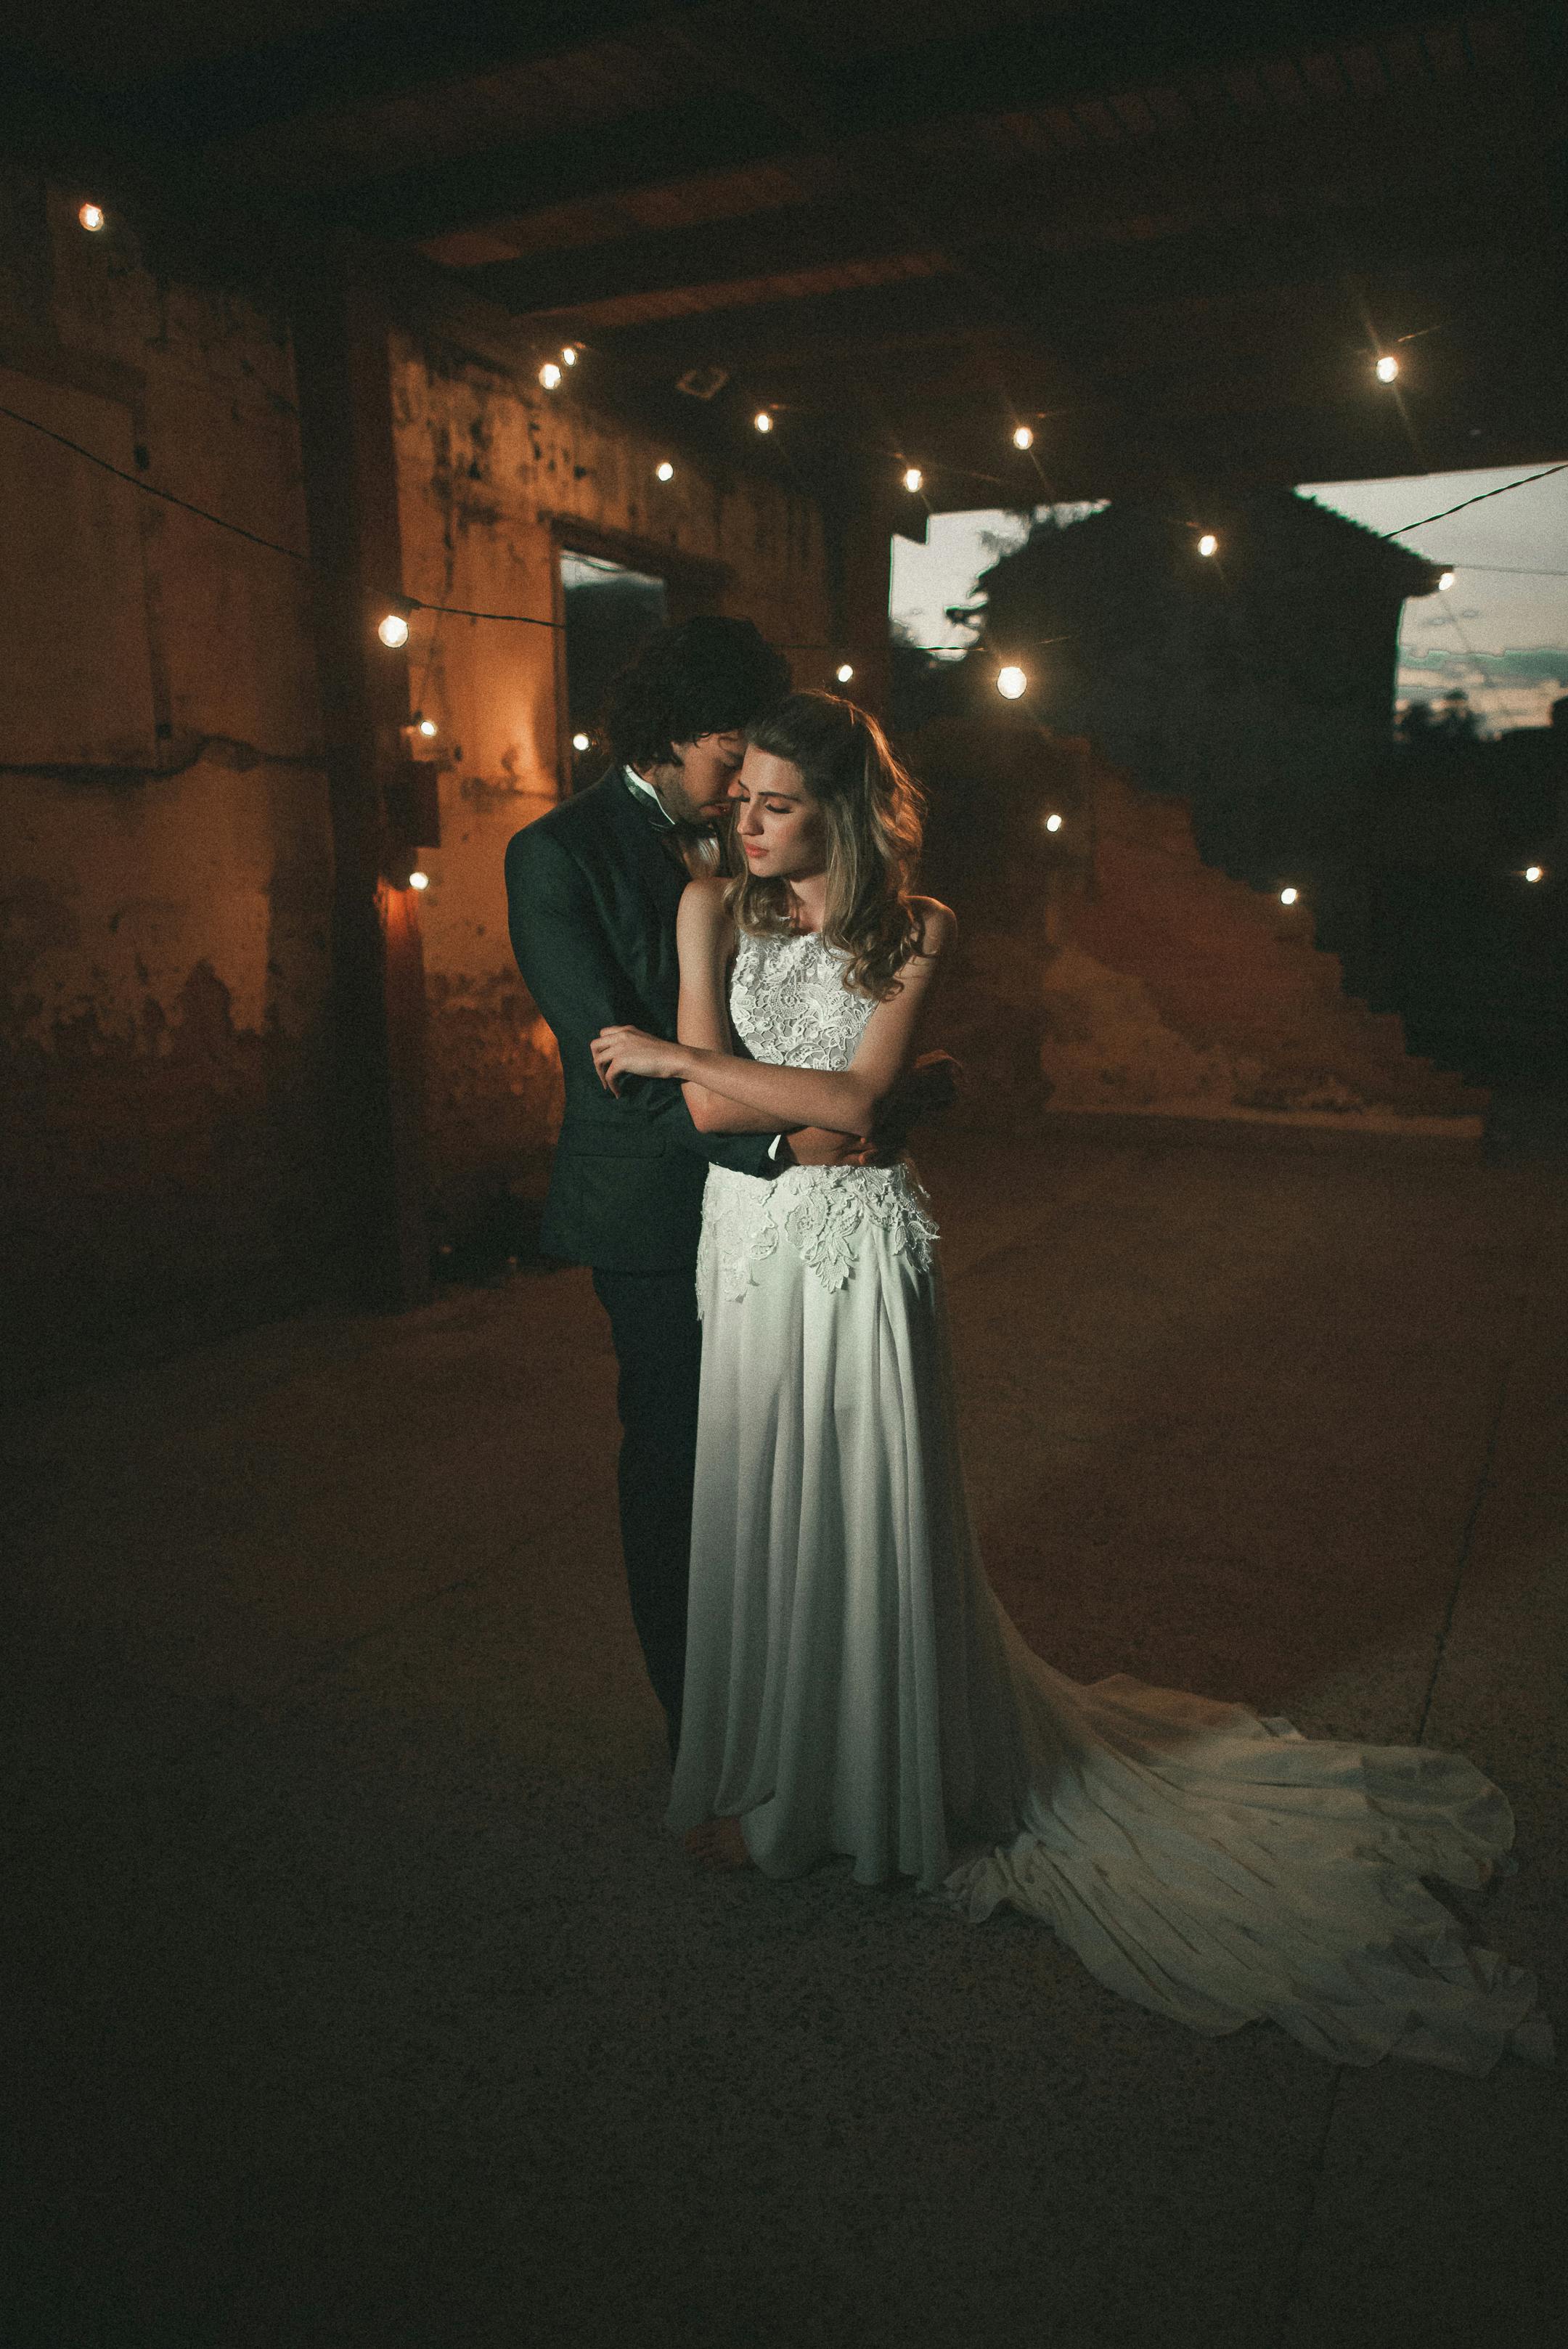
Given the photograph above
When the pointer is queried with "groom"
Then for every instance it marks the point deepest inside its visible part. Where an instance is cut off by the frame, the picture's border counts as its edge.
(592, 889)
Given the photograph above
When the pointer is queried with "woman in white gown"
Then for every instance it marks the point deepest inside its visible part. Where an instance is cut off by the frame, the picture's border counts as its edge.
(853, 1686)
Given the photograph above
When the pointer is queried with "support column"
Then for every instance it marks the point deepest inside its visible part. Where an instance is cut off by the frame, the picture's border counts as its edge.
(343, 373)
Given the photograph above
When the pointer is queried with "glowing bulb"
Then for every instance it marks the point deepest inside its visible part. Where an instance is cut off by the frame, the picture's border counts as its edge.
(1207, 543)
(1011, 682)
(665, 472)
(913, 478)
(569, 355)
(1052, 823)
(1289, 896)
(393, 631)
(428, 729)
(1445, 581)
(762, 421)
(1024, 438)
(844, 672)
(419, 880)
(1534, 872)
(579, 742)
(91, 217)
(550, 375)
(1387, 368)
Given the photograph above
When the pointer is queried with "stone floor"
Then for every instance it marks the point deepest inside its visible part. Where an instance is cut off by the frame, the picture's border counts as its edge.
(362, 2000)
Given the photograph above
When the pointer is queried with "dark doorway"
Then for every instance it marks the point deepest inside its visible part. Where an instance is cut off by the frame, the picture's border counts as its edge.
(610, 612)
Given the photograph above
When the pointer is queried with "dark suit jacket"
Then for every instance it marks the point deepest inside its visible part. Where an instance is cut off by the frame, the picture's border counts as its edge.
(591, 898)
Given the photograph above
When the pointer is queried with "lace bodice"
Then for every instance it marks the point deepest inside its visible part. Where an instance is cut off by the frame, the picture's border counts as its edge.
(789, 1005)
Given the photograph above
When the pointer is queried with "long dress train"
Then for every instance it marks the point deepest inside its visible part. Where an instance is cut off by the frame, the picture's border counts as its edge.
(854, 1688)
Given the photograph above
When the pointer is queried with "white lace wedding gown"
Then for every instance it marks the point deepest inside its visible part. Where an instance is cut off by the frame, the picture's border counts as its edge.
(853, 1686)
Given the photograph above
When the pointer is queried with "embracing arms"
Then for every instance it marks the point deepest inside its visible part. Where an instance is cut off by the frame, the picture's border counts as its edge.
(722, 1087)
(565, 958)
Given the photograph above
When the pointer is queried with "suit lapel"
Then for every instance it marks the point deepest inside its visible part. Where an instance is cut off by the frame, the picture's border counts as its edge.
(659, 883)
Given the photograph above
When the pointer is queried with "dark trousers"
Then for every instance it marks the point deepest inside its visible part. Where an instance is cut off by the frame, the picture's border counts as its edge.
(658, 1346)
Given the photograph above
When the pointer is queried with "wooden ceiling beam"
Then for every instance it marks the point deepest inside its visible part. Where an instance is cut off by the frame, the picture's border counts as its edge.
(390, 52)
(797, 110)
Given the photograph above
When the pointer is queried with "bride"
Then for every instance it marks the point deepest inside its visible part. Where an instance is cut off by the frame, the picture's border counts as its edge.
(853, 1686)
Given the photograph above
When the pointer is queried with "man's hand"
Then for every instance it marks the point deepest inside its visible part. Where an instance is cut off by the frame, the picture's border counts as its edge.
(815, 1146)
(930, 1087)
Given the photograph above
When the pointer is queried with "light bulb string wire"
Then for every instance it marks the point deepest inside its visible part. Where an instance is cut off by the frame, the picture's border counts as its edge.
(398, 599)
(529, 620)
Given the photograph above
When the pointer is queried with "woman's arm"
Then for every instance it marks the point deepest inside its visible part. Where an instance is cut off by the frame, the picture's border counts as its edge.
(844, 1100)
(706, 937)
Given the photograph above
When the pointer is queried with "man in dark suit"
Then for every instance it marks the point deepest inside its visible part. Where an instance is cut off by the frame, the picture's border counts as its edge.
(592, 889)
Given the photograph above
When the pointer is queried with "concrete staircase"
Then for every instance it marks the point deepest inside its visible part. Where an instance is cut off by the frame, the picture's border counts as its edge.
(1171, 987)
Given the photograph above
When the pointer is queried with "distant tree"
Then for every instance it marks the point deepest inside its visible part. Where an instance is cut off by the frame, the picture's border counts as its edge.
(1416, 722)
(1459, 722)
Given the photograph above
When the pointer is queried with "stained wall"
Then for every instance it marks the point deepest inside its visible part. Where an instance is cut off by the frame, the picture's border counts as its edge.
(166, 894)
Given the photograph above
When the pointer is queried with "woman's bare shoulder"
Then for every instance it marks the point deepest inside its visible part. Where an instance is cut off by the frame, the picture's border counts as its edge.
(938, 924)
(702, 903)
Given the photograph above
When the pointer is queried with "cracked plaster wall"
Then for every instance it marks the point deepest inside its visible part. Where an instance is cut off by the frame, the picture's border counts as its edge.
(484, 464)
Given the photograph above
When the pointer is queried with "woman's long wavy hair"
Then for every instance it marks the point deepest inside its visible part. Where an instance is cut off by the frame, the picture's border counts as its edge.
(873, 813)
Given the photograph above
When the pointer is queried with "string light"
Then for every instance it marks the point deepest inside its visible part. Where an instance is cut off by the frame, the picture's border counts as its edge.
(1387, 368)
(1011, 683)
(1534, 872)
(393, 631)
(762, 421)
(579, 742)
(1445, 581)
(1289, 896)
(569, 355)
(1052, 823)
(665, 471)
(428, 727)
(550, 375)
(1207, 543)
(913, 479)
(844, 672)
(91, 218)
(1022, 438)
(419, 880)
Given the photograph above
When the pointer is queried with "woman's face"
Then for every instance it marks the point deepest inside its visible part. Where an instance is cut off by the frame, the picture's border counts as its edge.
(780, 829)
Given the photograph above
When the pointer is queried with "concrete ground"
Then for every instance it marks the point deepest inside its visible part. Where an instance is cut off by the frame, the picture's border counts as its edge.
(362, 1999)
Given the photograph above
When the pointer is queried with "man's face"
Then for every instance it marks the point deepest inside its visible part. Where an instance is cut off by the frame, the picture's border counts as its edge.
(698, 789)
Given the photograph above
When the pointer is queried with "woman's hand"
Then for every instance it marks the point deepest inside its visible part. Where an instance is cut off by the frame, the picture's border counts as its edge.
(630, 1052)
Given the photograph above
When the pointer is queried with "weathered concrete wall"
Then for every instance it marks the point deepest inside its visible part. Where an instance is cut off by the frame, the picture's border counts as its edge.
(491, 470)
(165, 911)
(168, 866)
(1102, 966)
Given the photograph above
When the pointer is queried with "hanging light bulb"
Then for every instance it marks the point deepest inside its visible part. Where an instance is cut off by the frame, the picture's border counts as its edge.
(1011, 682)
(569, 355)
(550, 375)
(1387, 368)
(1052, 823)
(762, 421)
(1207, 543)
(913, 479)
(1024, 438)
(1445, 581)
(393, 631)
(419, 880)
(1289, 896)
(429, 729)
(579, 742)
(665, 471)
(844, 672)
(1535, 871)
(91, 217)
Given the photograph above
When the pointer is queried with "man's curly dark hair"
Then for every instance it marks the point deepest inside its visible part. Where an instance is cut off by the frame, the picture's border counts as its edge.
(704, 675)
